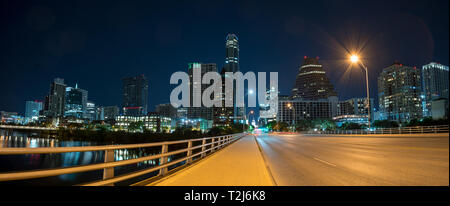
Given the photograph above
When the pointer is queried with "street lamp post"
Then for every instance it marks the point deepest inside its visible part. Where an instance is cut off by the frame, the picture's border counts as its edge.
(244, 117)
(290, 106)
(355, 59)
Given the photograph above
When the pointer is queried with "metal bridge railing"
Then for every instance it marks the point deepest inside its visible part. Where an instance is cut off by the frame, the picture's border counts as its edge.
(109, 163)
(395, 130)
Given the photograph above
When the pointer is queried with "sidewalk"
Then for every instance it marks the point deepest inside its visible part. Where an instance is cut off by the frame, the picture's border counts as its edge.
(239, 164)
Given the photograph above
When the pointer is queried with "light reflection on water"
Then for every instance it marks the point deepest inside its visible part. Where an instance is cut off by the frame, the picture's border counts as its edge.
(9, 163)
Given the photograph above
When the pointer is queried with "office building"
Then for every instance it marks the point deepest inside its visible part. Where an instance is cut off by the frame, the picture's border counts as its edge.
(166, 110)
(56, 99)
(11, 118)
(439, 108)
(32, 109)
(152, 122)
(197, 89)
(223, 116)
(434, 85)
(110, 112)
(312, 83)
(74, 103)
(291, 111)
(268, 111)
(355, 106)
(232, 65)
(91, 111)
(135, 96)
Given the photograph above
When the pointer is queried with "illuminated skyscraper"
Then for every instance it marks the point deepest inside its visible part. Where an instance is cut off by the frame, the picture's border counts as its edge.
(55, 100)
(312, 83)
(135, 96)
(232, 65)
(399, 89)
(199, 112)
(32, 109)
(232, 54)
(74, 103)
(434, 84)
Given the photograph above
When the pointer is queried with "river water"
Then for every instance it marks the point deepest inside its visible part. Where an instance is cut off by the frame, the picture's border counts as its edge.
(15, 163)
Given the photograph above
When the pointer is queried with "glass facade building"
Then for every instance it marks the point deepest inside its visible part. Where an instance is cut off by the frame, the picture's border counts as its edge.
(434, 85)
(55, 101)
(32, 109)
(197, 89)
(74, 103)
(135, 96)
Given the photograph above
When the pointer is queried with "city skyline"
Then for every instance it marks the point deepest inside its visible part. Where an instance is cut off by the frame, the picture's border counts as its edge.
(79, 56)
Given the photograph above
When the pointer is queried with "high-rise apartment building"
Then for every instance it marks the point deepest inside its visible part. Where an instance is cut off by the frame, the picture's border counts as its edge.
(399, 89)
(135, 96)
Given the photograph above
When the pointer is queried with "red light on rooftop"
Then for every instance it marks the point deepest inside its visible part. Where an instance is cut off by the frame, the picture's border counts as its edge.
(132, 107)
(305, 57)
(317, 58)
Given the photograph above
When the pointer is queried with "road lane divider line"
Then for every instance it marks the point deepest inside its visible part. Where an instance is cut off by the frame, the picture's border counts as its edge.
(323, 161)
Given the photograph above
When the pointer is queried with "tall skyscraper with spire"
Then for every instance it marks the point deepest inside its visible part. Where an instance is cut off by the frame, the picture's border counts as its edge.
(232, 54)
(231, 65)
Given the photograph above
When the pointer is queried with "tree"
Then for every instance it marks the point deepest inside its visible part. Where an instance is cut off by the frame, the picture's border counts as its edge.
(324, 124)
(281, 127)
(304, 125)
(427, 121)
(350, 126)
(384, 124)
(136, 126)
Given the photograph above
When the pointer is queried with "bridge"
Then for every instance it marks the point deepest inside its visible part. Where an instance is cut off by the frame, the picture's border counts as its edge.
(416, 158)
(19, 127)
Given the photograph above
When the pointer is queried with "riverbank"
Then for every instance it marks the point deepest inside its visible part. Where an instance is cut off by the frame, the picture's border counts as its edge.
(120, 137)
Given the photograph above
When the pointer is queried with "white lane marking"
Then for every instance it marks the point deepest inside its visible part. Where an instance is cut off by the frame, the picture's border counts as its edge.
(324, 161)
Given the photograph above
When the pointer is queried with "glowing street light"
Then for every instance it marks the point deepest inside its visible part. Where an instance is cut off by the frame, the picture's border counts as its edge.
(355, 60)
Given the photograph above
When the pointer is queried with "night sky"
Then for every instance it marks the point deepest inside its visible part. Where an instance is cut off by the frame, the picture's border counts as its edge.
(97, 43)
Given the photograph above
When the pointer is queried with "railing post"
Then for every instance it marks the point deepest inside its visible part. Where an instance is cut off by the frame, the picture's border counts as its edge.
(203, 147)
(189, 152)
(212, 144)
(163, 160)
(108, 173)
(435, 130)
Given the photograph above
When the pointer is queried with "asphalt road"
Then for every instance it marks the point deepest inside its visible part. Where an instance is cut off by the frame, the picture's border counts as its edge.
(357, 160)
